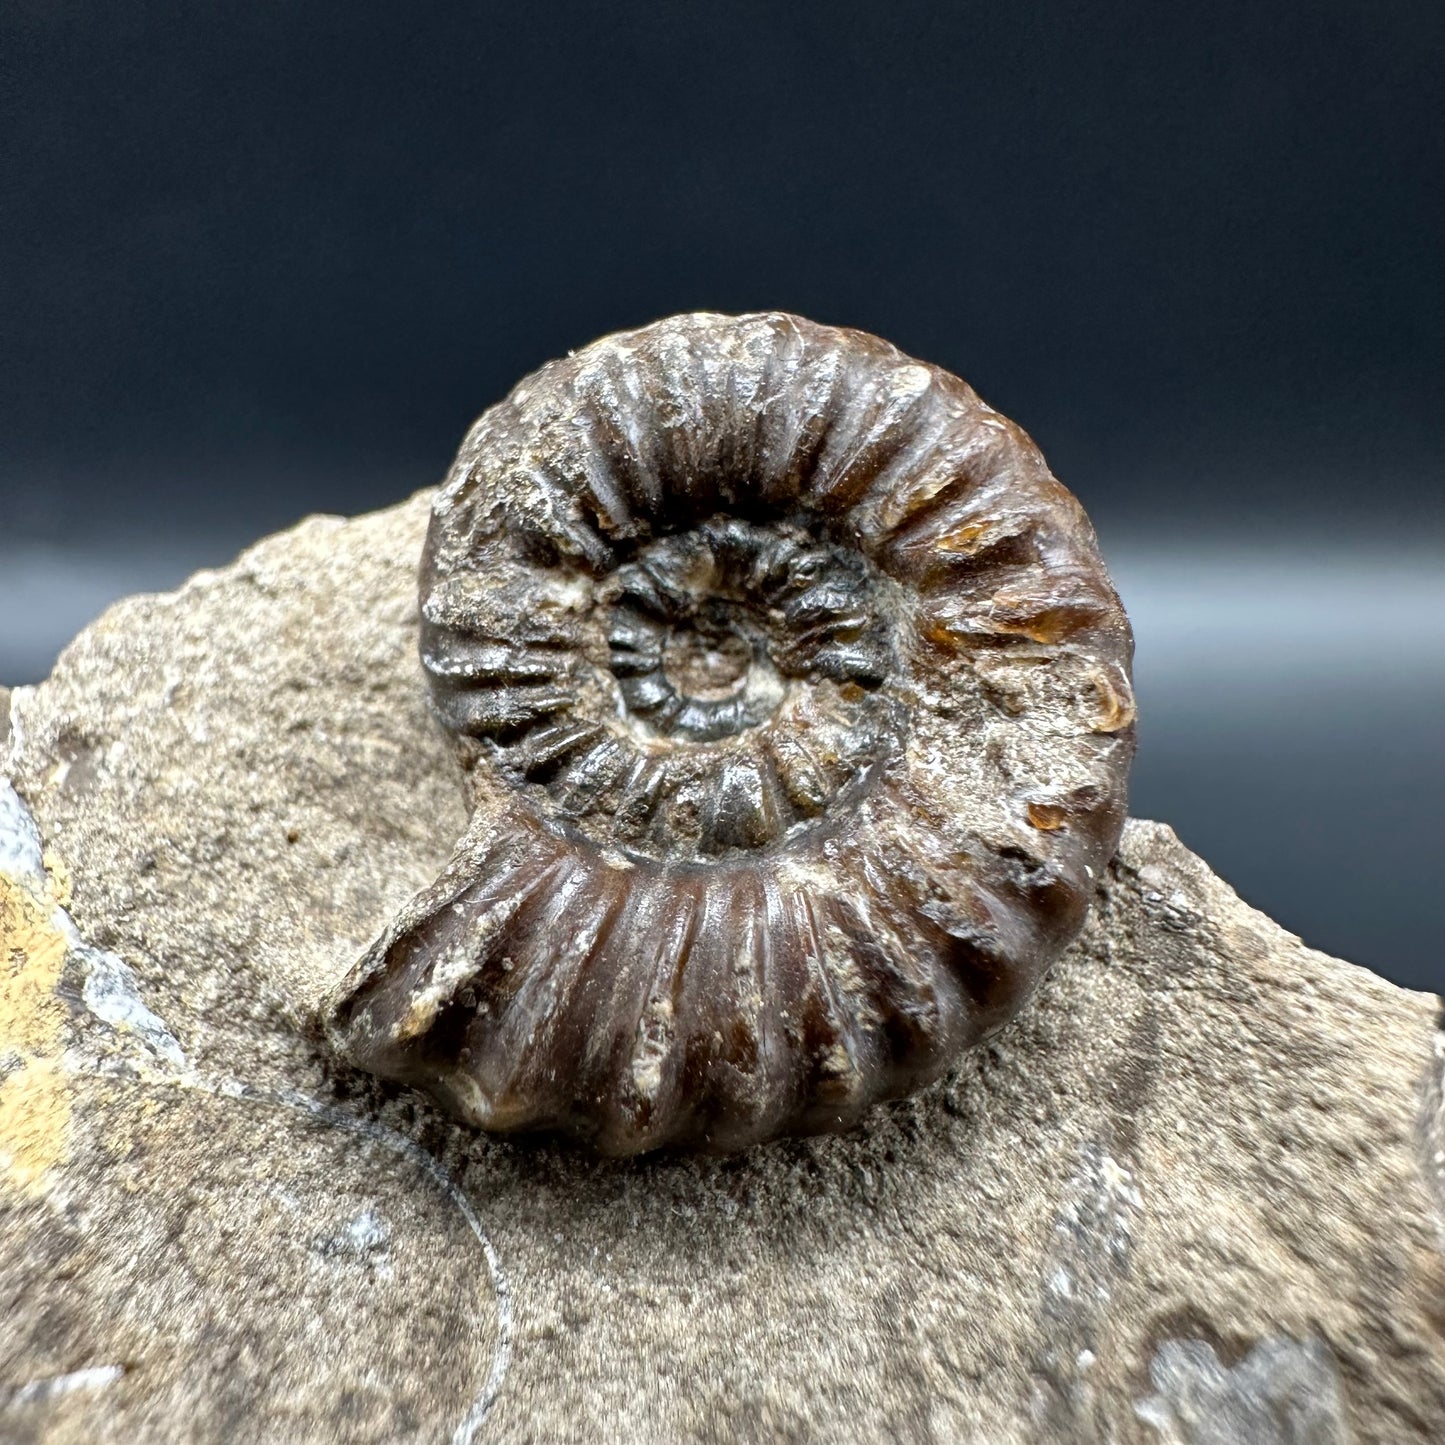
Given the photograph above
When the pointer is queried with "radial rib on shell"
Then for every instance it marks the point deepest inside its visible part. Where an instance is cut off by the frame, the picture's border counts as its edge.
(795, 704)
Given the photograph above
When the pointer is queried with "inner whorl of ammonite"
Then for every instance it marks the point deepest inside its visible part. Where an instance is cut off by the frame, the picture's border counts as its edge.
(794, 703)
(743, 695)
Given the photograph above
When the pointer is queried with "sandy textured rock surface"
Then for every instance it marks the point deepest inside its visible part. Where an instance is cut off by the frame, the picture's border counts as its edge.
(1192, 1195)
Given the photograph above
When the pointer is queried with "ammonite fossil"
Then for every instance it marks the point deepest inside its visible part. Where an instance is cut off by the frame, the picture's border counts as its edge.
(796, 704)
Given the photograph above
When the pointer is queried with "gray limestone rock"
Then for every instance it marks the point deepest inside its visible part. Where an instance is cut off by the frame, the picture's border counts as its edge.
(1192, 1194)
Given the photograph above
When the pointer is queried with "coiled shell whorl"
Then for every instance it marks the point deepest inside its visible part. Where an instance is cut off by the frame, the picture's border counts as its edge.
(796, 703)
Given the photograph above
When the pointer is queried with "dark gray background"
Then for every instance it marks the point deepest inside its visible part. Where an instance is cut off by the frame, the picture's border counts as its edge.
(266, 259)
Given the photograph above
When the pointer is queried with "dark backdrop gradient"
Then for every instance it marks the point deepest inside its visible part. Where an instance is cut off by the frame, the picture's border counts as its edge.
(266, 259)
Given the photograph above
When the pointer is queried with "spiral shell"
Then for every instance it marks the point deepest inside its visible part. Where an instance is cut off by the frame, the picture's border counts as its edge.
(796, 703)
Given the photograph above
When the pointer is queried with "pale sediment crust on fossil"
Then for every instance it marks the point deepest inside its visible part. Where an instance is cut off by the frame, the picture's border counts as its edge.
(796, 701)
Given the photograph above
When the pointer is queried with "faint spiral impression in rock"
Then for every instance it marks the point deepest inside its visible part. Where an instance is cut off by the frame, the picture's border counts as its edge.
(796, 703)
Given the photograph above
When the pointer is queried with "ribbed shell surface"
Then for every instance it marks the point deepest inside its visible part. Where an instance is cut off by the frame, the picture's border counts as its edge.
(796, 708)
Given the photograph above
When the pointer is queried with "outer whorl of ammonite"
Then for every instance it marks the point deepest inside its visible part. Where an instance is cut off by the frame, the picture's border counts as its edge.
(796, 706)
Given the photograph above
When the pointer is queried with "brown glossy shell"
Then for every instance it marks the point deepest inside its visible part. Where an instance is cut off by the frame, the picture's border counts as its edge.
(797, 705)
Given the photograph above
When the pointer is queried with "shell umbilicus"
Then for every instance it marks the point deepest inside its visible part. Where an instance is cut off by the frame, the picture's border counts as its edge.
(796, 703)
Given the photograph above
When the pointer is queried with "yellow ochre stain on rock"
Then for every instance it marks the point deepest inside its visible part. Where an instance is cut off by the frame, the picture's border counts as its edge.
(34, 1122)
(34, 1099)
